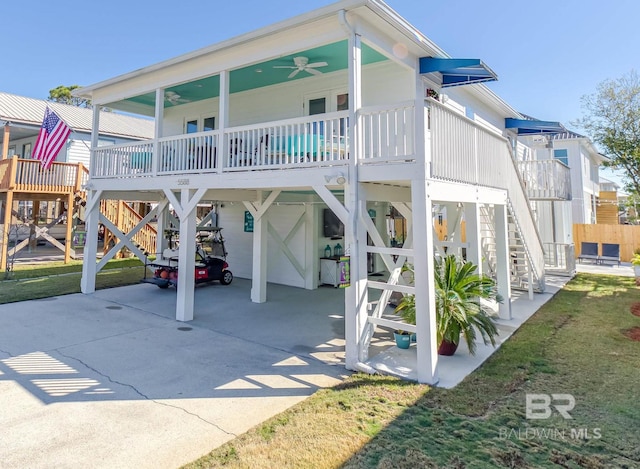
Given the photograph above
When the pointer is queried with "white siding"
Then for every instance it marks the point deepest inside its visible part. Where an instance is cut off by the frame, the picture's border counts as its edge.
(283, 218)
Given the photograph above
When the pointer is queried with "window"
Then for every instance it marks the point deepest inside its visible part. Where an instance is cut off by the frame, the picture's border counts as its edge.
(209, 123)
(191, 127)
(562, 155)
(12, 150)
(26, 150)
(201, 124)
(317, 106)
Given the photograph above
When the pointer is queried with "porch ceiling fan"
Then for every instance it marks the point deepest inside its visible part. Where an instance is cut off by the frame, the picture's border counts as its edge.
(301, 64)
(174, 98)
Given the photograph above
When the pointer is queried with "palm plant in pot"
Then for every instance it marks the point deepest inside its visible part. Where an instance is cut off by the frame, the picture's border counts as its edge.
(460, 313)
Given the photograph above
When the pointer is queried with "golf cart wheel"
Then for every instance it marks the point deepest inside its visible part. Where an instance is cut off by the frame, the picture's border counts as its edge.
(163, 285)
(227, 277)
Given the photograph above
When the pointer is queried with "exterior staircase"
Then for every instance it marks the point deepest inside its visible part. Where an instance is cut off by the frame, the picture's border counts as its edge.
(522, 277)
(489, 161)
(122, 214)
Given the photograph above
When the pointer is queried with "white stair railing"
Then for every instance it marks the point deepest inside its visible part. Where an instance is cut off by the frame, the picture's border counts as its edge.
(464, 151)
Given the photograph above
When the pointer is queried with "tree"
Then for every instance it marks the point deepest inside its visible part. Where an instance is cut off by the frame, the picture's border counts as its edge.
(62, 94)
(612, 120)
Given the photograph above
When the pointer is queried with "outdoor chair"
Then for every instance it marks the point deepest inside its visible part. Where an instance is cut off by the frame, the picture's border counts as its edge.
(588, 251)
(610, 252)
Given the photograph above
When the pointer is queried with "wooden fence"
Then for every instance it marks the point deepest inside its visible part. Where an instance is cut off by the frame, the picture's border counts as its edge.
(627, 236)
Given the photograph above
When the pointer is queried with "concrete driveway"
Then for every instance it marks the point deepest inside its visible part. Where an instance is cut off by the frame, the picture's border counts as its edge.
(112, 380)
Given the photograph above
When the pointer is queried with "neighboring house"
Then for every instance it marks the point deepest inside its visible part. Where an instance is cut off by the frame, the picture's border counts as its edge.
(346, 109)
(21, 119)
(579, 153)
(608, 203)
(23, 182)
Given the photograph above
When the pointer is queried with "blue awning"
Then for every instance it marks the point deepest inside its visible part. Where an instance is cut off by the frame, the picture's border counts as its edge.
(457, 72)
(533, 126)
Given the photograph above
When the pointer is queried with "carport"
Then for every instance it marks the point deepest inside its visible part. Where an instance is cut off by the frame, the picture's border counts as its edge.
(82, 376)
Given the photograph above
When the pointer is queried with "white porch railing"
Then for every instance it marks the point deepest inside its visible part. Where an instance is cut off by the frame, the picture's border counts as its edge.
(124, 160)
(305, 141)
(546, 179)
(560, 258)
(464, 151)
(188, 153)
(388, 133)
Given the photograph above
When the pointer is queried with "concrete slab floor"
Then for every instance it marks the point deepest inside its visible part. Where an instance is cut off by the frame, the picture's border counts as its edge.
(112, 380)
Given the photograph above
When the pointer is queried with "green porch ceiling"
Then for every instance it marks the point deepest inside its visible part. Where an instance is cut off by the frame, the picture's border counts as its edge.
(252, 77)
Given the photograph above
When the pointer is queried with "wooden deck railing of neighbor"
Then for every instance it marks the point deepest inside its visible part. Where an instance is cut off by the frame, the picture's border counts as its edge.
(126, 218)
(26, 175)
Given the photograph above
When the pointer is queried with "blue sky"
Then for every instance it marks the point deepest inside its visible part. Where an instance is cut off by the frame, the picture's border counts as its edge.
(547, 53)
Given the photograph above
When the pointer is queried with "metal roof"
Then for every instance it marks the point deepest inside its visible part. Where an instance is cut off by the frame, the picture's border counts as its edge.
(30, 111)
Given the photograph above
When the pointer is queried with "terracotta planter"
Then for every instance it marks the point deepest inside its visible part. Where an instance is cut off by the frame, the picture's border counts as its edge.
(447, 348)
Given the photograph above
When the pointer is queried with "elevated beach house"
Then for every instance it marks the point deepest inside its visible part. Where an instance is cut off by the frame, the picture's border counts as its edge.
(347, 108)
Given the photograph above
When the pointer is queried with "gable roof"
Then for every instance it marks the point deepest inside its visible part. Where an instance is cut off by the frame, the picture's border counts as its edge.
(30, 111)
(381, 16)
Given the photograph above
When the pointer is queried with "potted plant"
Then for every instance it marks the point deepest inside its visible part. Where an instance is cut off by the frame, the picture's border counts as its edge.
(403, 338)
(459, 311)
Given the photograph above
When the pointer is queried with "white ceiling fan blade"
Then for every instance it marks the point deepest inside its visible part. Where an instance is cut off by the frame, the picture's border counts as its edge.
(318, 64)
(284, 66)
(313, 71)
(294, 73)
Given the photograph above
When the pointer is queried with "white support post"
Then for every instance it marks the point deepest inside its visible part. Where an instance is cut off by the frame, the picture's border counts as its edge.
(162, 214)
(259, 272)
(423, 247)
(312, 262)
(158, 123)
(186, 258)
(503, 261)
(355, 317)
(472, 231)
(427, 345)
(223, 119)
(89, 266)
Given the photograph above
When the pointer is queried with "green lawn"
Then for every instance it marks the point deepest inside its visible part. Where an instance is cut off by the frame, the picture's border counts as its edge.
(28, 282)
(575, 344)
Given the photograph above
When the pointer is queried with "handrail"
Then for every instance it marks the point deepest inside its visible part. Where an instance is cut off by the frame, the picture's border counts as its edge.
(465, 151)
(28, 175)
(548, 179)
(126, 219)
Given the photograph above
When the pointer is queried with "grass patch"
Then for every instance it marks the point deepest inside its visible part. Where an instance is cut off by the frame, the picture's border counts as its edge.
(32, 282)
(575, 344)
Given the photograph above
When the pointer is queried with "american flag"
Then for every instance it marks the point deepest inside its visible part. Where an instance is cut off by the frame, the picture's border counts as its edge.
(52, 137)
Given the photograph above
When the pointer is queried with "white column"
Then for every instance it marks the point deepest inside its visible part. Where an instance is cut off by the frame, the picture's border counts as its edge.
(427, 346)
(186, 258)
(423, 245)
(162, 217)
(312, 261)
(356, 297)
(158, 123)
(259, 272)
(89, 266)
(503, 261)
(223, 119)
(472, 231)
